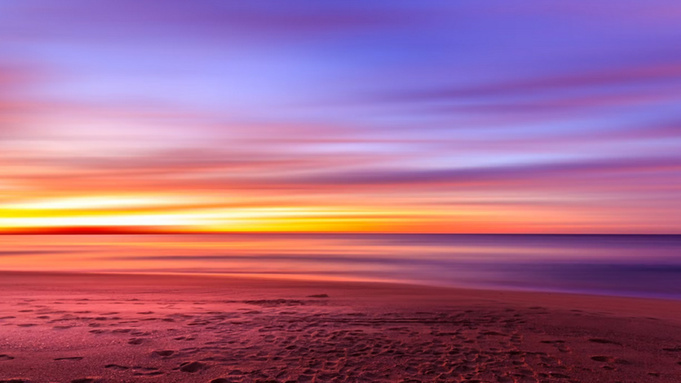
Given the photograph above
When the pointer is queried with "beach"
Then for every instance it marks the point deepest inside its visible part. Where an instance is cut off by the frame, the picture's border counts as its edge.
(70, 327)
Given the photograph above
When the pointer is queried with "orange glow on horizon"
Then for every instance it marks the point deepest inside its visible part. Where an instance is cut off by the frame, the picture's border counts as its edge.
(180, 214)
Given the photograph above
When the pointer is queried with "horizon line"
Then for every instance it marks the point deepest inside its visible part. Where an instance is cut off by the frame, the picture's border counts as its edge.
(134, 230)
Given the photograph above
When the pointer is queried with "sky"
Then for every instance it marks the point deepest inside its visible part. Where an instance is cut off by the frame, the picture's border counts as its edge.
(336, 116)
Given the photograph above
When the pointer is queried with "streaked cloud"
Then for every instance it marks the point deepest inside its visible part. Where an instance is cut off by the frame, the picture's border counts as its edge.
(335, 116)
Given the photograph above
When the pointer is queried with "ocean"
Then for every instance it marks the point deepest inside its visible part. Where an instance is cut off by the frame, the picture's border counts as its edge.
(625, 265)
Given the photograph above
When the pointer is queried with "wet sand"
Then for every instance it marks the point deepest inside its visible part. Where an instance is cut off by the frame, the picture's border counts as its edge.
(82, 328)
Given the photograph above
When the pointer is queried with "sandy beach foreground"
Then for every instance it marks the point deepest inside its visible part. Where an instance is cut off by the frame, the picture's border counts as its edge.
(125, 328)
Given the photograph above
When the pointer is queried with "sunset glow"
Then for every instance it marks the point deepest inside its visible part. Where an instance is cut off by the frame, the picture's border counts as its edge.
(340, 117)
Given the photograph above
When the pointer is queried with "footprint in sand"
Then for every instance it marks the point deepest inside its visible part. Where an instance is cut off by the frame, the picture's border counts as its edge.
(147, 371)
(136, 341)
(603, 341)
(493, 333)
(163, 353)
(117, 367)
(609, 359)
(186, 338)
(192, 367)
(153, 373)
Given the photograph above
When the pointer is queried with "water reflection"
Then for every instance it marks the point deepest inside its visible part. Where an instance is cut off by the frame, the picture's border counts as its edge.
(615, 264)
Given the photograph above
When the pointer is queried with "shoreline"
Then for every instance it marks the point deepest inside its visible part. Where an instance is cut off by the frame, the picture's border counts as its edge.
(298, 279)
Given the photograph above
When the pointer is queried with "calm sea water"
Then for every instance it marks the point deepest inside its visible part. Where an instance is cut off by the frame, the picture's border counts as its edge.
(603, 264)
